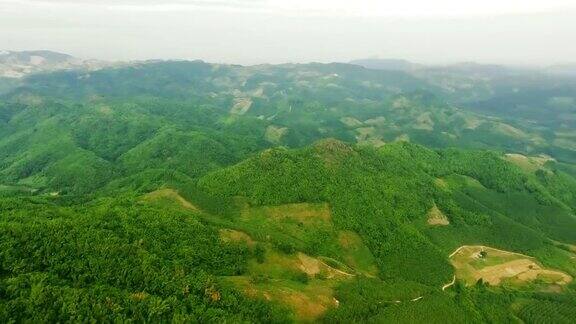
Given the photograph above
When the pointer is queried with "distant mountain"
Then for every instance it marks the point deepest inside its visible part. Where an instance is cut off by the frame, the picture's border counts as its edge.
(387, 64)
(469, 69)
(14, 64)
(563, 69)
(473, 69)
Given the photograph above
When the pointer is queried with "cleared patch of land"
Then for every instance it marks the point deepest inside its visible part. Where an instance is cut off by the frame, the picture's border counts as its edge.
(441, 183)
(241, 106)
(472, 122)
(367, 136)
(301, 225)
(364, 133)
(509, 130)
(495, 267)
(402, 138)
(462, 181)
(170, 195)
(274, 134)
(436, 217)
(424, 122)
(302, 276)
(285, 266)
(299, 281)
(567, 143)
(229, 235)
(308, 301)
(401, 103)
(528, 163)
(378, 121)
(351, 122)
(356, 254)
(302, 212)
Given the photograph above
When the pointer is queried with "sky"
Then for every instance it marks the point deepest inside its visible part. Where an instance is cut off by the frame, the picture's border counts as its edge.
(519, 32)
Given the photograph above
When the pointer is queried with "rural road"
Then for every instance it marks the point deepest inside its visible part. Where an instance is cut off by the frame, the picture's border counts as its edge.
(449, 284)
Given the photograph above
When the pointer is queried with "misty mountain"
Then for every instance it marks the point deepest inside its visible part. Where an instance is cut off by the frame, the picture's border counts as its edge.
(563, 69)
(17, 64)
(387, 64)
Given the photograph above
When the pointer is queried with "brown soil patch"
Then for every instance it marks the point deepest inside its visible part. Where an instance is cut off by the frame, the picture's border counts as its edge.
(349, 240)
(424, 122)
(308, 302)
(308, 264)
(472, 122)
(528, 163)
(241, 106)
(230, 235)
(367, 136)
(402, 138)
(279, 265)
(378, 121)
(495, 274)
(313, 266)
(373, 141)
(441, 183)
(494, 266)
(305, 307)
(558, 277)
(351, 122)
(169, 194)
(105, 110)
(274, 134)
(364, 133)
(436, 217)
(555, 289)
(303, 212)
(401, 103)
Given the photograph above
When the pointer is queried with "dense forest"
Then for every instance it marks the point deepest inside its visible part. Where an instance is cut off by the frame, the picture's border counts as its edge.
(195, 192)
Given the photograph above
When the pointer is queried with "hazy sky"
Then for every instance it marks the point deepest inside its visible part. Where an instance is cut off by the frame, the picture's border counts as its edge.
(258, 31)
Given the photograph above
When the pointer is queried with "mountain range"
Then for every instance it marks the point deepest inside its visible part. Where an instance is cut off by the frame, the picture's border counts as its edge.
(378, 191)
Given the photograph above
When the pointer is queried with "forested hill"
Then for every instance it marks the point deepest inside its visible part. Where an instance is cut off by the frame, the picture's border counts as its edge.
(107, 120)
(195, 192)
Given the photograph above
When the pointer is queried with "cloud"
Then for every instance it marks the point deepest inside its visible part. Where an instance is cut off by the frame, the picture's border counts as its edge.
(250, 5)
(257, 31)
(337, 8)
(141, 3)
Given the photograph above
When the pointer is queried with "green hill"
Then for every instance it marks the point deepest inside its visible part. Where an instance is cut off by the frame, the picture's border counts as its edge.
(195, 192)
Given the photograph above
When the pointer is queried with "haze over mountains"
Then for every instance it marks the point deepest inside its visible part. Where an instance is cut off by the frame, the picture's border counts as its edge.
(16, 64)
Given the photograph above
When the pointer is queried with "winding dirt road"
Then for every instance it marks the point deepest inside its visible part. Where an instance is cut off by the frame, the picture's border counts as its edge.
(449, 284)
